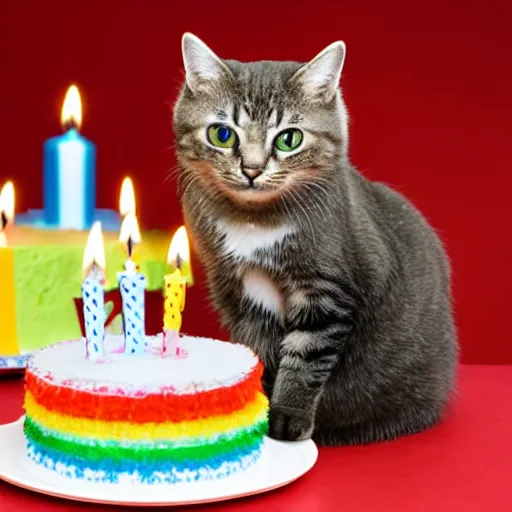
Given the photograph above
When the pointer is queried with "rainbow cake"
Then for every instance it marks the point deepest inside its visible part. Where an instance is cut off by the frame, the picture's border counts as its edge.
(145, 419)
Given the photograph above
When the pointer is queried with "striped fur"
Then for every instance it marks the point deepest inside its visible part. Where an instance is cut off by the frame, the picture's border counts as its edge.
(338, 283)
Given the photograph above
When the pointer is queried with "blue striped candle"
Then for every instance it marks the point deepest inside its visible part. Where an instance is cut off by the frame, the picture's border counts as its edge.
(69, 165)
(132, 284)
(93, 294)
(132, 287)
(94, 317)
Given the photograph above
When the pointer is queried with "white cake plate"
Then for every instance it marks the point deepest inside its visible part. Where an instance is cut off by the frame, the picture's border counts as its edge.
(13, 364)
(280, 464)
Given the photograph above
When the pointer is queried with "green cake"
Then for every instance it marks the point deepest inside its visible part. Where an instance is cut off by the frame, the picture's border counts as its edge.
(48, 278)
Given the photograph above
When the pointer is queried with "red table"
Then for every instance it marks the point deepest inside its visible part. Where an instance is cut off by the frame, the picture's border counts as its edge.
(464, 465)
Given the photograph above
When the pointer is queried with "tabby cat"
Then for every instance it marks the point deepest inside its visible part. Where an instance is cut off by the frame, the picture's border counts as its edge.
(338, 283)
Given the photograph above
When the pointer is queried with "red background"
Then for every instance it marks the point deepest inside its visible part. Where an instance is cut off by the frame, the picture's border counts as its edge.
(427, 84)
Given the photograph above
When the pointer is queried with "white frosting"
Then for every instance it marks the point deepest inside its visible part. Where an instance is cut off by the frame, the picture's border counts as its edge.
(210, 364)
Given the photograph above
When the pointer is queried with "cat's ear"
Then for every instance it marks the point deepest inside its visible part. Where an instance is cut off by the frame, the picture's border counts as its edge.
(202, 67)
(320, 77)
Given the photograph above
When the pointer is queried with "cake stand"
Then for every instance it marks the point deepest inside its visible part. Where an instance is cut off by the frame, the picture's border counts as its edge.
(280, 464)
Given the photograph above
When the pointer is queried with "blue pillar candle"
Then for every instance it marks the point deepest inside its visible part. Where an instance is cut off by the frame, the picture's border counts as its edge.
(69, 165)
(93, 294)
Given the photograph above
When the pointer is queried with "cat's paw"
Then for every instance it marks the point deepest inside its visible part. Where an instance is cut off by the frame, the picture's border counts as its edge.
(290, 424)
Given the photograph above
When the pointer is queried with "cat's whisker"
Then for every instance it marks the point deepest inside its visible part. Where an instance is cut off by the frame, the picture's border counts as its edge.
(202, 212)
(183, 178)
(189, 183)
(316, 209)
(171, 174)
(286, 208)
(321, 206)
(168, 148)
(292, 195)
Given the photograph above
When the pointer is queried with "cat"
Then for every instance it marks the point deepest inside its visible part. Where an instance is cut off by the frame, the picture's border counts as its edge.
(337, 283)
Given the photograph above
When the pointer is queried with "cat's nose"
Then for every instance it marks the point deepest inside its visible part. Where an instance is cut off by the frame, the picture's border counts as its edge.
(252, 172)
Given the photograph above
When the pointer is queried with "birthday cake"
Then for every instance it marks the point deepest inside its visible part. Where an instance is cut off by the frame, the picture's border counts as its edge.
(48, 279)
(145, 419)
(41, 251)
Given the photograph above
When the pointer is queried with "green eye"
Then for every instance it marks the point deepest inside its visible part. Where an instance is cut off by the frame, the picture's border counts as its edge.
(289, 140)
(221, 136)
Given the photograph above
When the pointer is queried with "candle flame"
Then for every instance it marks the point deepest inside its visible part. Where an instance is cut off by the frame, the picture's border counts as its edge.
(178, 255)
(130, 230)
(71, 113)
(179, 251)
(6, 204)
(127, 199)
(6, 210)
(94, 254)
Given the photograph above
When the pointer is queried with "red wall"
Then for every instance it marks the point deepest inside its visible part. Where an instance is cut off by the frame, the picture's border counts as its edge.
(428, 86)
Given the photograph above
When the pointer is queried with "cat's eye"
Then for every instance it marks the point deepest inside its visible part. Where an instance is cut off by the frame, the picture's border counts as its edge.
(221, 136)
(289, 140)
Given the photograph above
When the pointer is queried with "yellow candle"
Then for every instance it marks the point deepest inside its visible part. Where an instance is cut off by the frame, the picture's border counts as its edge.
(8, 332)
(176, 282)
(174, 304)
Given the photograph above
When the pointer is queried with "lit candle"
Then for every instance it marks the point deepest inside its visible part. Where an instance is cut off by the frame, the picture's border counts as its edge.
(175, 288)
(8, 332)
(69, 171)
(93, 293)
(127, 198)
(132, 285)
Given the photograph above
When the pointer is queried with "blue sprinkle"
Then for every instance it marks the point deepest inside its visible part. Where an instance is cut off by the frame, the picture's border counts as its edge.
(241, 458)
